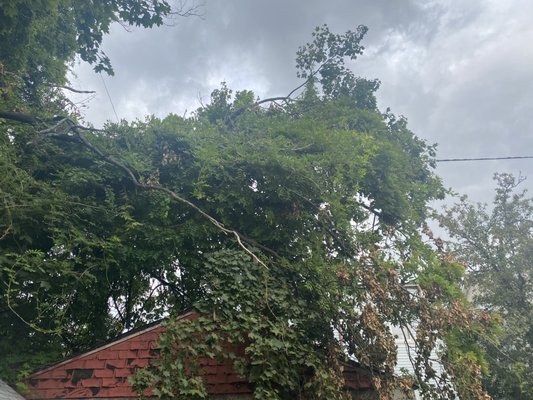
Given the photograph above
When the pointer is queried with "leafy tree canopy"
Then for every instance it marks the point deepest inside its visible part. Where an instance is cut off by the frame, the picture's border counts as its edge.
(41, 38)
(292, 228)
(496, 244)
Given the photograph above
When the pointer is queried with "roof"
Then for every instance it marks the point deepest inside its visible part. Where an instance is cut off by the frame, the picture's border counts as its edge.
(103, 372)
(153, 326)
(7, 393)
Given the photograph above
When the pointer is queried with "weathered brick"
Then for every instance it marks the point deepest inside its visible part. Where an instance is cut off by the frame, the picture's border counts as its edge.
(121, 346)
(49, 384)
(147, 354)
(139, 345)
(94, 364)
(104, 393)
(207, 361)
(120, 392)
(79, 393)
(241, 388)
(76, 364)
(53, 393)
(213, 379)
(123, 372)
(115, 364)
(62, 393)
(44, 375)
(225, 368)
(139, 363)
(91, 382)
(124, 381)
(149, 336)
(365, 385)
(125, 354)
(80, 374)
(107, 354)
(351, 385)
(68, 384)
(59, 373)
(103, 373)
(109, 382)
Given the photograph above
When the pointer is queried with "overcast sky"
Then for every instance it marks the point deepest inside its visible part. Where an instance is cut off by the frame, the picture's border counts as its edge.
(460, 71)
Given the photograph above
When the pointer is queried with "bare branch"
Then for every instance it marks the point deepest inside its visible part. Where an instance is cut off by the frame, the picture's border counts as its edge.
(185, 10)
(19, 117)
(73, 90)
(119, 312)
(286, 98)
(53, 128)
(6, 231)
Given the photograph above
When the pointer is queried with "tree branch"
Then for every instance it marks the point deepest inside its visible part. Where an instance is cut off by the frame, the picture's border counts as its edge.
(73, 90)
(19, 117)
(286, 98)
(77, 129)
(231, 232)
(178, 292)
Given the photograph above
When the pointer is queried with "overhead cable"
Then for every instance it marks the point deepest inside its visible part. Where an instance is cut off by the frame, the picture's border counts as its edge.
(482, 159)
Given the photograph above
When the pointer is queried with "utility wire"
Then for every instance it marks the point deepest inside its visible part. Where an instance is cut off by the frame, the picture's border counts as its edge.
(482, 159)
(109, 97)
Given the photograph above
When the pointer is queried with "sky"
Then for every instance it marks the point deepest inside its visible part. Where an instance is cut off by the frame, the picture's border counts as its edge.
(460, 71)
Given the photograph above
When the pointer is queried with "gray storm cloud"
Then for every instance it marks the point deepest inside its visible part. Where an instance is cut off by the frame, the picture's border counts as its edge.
(461, 72)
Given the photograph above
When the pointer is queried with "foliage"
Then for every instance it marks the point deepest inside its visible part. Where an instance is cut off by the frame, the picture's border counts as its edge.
(268, 320)
(40, 39)
(496, 244)
(323, 60)
(292, 229)
(57, 206)
(291, 177)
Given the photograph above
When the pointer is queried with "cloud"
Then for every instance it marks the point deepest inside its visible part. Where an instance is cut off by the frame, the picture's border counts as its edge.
(462, 72)
(251, 45)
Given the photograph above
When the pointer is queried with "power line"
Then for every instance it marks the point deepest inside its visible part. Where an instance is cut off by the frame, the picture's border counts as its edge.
(109, 97)
(482, 159)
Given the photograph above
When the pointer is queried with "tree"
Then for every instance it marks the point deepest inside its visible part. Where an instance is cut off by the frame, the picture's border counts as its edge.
(292, 228)
(40, 39)
(496, 244)
(50, 208)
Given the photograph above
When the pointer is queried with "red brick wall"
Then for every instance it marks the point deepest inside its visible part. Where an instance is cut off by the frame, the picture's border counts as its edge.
(355, 378)
(103, 373)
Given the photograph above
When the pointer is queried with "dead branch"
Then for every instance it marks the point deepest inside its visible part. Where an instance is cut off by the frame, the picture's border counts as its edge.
(184, 10)
(19, 117)
(6, 231)
(71, 126)
(230, 118)
(73, 90)
(238, 237)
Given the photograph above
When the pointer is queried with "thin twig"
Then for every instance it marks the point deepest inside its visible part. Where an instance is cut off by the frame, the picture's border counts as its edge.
(6, 231)
(53, 128)
(286, 98)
